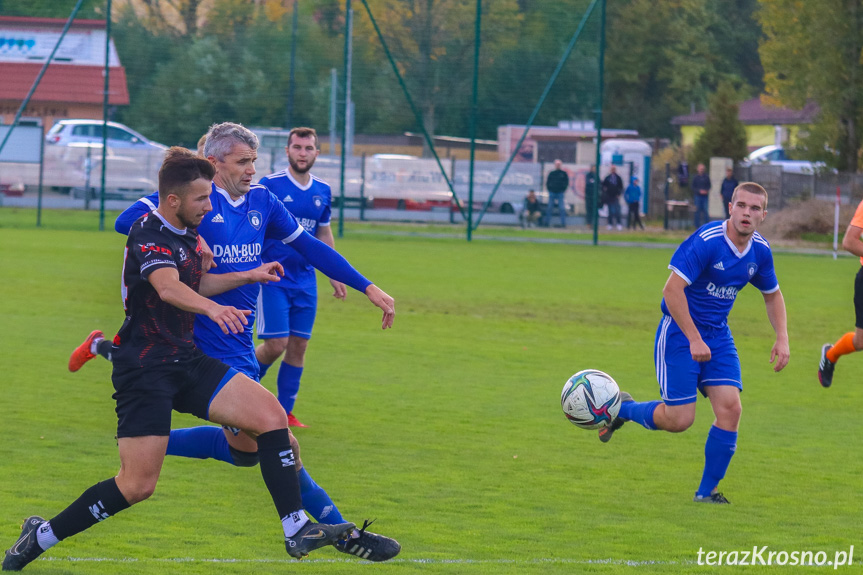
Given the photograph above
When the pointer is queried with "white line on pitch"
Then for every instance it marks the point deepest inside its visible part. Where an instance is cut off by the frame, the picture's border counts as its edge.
(560, 560)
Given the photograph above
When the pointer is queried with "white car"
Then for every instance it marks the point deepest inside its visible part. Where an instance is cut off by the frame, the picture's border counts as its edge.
(775, 156)
(68, 132)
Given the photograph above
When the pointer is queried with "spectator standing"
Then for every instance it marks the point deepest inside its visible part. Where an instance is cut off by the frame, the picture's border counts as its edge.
(556, 184)
(728, 185)
(632, 195)
(590, 195)
(701, 191)
(612, 188)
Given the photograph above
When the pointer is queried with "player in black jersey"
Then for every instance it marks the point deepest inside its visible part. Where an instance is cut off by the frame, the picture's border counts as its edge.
(157, 368)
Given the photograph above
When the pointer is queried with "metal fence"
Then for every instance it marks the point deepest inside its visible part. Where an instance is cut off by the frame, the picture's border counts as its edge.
(377, 187)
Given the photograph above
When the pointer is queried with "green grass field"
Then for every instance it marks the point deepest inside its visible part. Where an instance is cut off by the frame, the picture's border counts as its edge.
(447, 428)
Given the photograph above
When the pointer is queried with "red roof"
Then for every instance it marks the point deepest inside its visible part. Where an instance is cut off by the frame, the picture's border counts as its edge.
(753, 112)
(63, 83)
(51, 22)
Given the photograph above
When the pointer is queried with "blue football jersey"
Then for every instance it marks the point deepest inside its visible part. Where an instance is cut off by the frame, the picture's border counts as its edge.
(716, 271)
(310, 205)
(236, 231)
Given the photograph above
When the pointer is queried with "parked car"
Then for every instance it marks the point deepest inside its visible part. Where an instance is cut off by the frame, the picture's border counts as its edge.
(776, 156)
(67, 132)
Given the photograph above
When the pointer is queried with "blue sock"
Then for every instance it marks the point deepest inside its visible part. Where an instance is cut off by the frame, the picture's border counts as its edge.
(718, 451)
(640, 413)
(288, 385)
(316, 501)
(205, 442)
(262, 369)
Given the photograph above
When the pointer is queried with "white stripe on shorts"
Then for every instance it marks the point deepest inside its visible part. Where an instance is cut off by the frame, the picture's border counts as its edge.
(661, 371)
(259, 317)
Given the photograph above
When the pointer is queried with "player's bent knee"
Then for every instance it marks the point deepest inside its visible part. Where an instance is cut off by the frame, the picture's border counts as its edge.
(276, 345)
(677, 420)
(138, 491)
(271, 416)
(243, 458)
(728, 416)
(678, 426)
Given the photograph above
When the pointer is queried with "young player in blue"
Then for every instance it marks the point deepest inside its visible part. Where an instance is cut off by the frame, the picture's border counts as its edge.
(286, 315)
(694, 350)
(244, 215)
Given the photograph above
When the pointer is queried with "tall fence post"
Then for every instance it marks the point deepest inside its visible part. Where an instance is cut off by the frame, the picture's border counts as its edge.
(348, 30)
(601, 90)
(363, 187)
(105, 116)
(473, 112)
(665, 206)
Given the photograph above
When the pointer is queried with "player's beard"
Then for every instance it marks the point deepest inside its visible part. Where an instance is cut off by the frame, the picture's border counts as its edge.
(299, 170)
(187, 222)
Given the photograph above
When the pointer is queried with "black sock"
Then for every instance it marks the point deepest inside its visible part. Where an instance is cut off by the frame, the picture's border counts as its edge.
(280, 471)
(104, 347)
(96, 504)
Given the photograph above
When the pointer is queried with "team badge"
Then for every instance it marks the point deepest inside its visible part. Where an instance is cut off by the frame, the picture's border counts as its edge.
(255, 219)
(182, 253)
(318, 201)
(752, 267)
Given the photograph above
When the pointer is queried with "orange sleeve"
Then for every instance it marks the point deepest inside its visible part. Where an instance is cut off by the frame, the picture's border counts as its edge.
(857, 220)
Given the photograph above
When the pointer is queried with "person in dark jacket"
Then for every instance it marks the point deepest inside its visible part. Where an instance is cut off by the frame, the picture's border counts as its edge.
(612, 188)
(728, 185)
(590, 198)
(556, 184)
(700, 190)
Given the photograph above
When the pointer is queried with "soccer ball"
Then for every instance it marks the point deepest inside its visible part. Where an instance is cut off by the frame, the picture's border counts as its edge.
(590, 399)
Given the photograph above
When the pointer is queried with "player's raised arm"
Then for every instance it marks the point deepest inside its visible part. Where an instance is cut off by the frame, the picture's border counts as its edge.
(325, 234)
(781, 351)
(166, 282)
(214, 284)
(678, 306)
(334, 266)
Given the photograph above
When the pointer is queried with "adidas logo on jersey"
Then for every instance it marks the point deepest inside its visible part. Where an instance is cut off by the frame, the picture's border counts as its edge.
(218, 219)
(288, 198)
(719, 266)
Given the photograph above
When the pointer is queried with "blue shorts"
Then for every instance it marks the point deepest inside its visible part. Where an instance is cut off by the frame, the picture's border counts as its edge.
(246, 364)
(680, 377)
(284, 312)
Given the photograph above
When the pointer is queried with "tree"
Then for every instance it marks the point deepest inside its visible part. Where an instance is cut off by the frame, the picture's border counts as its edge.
(432, 42)
(724, 135)
(519, 72)
(812, 51)
(664, 57)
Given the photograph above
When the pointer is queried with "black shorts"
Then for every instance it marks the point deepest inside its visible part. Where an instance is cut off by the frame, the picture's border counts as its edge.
(145, 396)
(858, 298)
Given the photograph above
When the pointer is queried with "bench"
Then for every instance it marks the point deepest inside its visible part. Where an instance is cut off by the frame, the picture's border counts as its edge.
(678, 214)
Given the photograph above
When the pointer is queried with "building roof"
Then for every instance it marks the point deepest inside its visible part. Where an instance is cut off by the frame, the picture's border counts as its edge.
(753, 113)
(63, 83)
(32, 21)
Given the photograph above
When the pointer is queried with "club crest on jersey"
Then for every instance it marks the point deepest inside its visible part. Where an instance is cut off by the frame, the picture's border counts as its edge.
(751, 267)
(318, 200)
(182, 253)
(255, 219)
